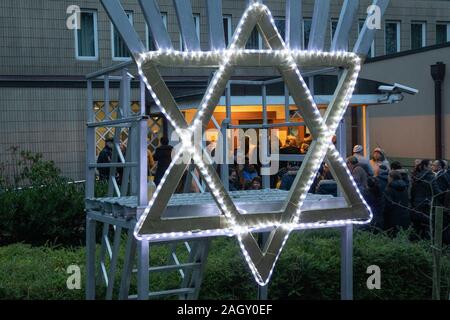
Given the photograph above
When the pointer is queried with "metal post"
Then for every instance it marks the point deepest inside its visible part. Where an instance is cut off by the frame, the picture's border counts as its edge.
(346, 231)
(90, 258)
(125, 88)
(224, 173)
(366, 130)
(142, 272)
(228, 102)
(142, 172)
(438, 75)
(287, 114)
(263, 291)
(106, 97)
(341, 137)
(90, 102)
(437, 252)
(264, 144)
(142, 89)
(347, 263)
(90, 144)
(90, 158)
(113, 262)
(224, 168)
(130, 252)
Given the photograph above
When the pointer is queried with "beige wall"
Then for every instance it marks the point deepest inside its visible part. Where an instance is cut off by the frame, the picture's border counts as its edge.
(35, 40)
(48, 121)
(407, 129)
(51, 121)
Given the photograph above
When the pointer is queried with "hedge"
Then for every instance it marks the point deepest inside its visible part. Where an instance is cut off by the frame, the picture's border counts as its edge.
(307, 269)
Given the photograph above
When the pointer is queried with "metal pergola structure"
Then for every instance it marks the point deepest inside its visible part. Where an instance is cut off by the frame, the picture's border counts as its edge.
(126, 202)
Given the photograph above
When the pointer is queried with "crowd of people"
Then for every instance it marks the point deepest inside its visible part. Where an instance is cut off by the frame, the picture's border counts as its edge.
(399, 199)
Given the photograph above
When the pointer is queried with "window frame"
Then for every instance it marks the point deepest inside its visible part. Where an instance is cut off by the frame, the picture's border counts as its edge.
(424, 33)
(229, 18)
(88, 58)
(398, 37)
(303, 32)
(197, 29)
(333, 20)
(114, 58)
(281, 18)
(443, 23)
(147, 30)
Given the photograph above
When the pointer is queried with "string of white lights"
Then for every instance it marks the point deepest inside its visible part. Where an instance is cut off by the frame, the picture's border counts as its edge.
(325, 129)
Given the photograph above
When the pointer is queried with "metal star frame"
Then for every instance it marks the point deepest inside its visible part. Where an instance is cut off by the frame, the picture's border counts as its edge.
(152, 225)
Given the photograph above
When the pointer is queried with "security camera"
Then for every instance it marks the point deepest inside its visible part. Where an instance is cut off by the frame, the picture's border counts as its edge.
(398, 89)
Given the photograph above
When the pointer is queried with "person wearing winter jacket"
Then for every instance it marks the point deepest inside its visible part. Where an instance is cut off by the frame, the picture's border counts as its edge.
(382, 177)
(397, 166)
(424, 185)
(424, 188)
(365, 163)
(442, 177)
(378, 159)
(442, 174)
(359, 174)
(375, 199)
(396, 212)
(163, 158)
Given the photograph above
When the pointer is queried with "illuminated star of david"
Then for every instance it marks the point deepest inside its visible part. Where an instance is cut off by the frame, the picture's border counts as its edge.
(151, 225)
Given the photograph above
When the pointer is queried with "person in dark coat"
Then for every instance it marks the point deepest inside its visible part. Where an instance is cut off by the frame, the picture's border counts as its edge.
(396, 212)
(163, 157)
(289, 148)
(234, 181)
(424, 185)
(288, 178)
(382, 177)
(324, 182)
(359, 174)
(365, 163)
(105, 156)
(442, 177)
(423, 190)
(375, 199)
(397, 166)
(439, 168)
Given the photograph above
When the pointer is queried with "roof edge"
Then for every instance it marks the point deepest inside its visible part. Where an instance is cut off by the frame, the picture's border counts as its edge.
(408, 52)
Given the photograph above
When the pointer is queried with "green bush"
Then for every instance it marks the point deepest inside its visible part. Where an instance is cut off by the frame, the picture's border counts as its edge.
(46, 209)
(49, 214)
(308, 268)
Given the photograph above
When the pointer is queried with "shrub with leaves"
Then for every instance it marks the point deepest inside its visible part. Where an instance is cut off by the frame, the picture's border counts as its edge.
(308, 268)
(48, 209)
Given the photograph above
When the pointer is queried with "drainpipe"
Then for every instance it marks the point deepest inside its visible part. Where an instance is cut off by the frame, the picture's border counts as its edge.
(438, 74)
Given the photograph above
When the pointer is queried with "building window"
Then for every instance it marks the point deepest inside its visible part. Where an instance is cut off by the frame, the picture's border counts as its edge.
(280, 23)
(197, 30)
(392, 36)
(442, 32)
(418, 35)
(86, 41)
(306, 31)
(371, 53)
(150, 41)
(333, 27)
(254, 41)
(228, 33)
(119, 48)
